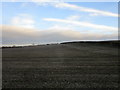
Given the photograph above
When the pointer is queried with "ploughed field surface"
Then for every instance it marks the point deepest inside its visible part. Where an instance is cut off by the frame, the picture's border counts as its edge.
(61, 66)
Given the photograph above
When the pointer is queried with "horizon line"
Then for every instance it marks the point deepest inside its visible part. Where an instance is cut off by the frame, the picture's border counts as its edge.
(34, 44)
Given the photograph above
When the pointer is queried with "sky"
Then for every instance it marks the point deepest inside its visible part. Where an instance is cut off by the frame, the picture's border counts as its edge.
(53, 22)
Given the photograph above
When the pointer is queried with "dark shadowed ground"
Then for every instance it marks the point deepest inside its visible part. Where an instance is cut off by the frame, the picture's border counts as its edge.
(82, 65)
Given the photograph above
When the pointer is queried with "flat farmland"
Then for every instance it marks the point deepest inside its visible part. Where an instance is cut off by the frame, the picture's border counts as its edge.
(80, 65)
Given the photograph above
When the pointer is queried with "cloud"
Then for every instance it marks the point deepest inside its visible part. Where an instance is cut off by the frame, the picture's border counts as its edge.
(93, 12)
(83, 24)
(66, 26)
(61, 0)
(20, 35)
(61, 27)
(73, 17)
(85, 9)
(23, 20)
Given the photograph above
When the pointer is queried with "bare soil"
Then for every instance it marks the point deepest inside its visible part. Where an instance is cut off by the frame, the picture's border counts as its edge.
(61, 66)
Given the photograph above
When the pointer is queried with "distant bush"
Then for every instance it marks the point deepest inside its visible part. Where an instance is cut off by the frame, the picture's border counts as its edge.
(12, 47)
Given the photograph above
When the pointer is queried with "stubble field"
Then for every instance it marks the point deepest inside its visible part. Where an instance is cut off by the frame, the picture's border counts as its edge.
(60, 66)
